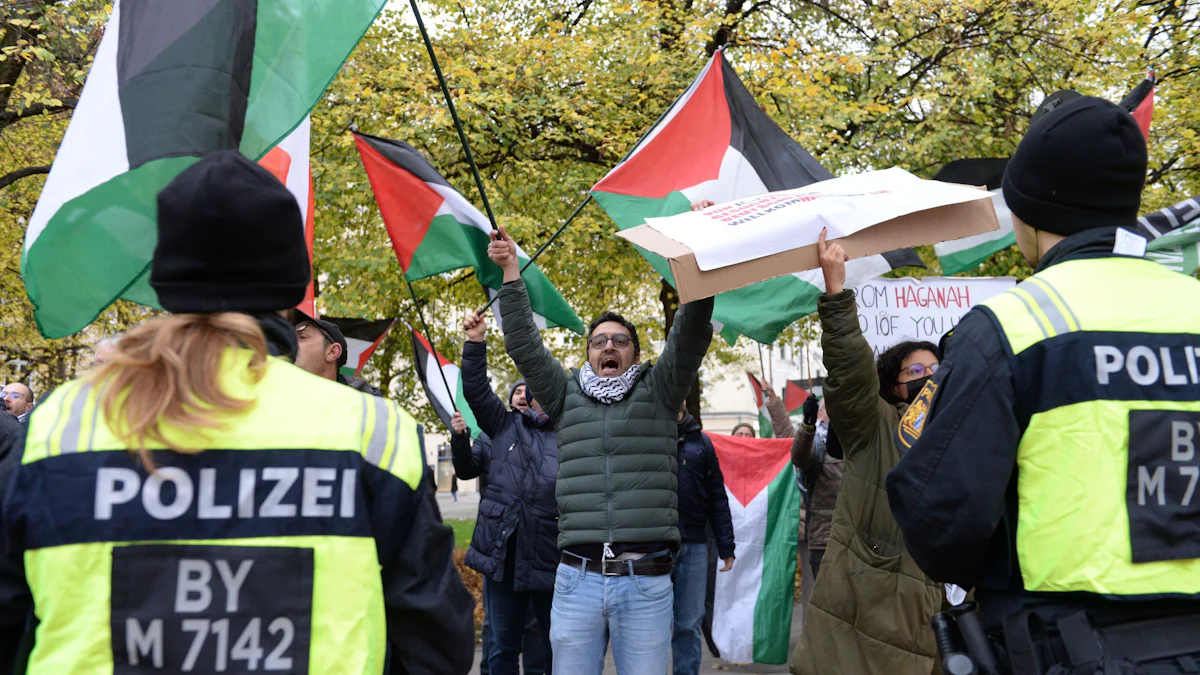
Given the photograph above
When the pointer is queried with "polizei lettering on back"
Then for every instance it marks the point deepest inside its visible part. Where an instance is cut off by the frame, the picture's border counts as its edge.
(1147, 366)
(269, 492)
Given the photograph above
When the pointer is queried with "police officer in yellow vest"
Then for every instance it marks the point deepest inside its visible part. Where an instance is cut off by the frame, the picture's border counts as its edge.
(178, 511)
(1051, 464)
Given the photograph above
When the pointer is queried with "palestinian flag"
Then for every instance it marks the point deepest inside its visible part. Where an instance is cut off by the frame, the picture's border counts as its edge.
(429, 362)
(716, 143)
(289, 162)
(172, 80)
(752, 611)
(794, 396)
(966, 254)
(765, 428)
(1140, 104)
(362, 338)
(1173, 236)
(434, 229)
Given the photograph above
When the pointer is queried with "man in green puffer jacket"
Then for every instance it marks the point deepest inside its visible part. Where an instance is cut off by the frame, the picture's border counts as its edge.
(617, 427)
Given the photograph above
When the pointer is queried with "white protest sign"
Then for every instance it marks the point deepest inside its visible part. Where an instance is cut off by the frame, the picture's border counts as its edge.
(891, 311)
(762, 225)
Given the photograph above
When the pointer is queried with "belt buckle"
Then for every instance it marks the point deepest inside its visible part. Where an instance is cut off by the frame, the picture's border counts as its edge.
(604, 567)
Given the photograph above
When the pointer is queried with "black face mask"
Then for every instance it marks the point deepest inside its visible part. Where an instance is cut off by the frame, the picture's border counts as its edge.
(915, 387)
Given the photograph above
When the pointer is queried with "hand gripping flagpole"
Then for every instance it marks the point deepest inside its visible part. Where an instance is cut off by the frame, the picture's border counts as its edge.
(462, 136)
(429, 337)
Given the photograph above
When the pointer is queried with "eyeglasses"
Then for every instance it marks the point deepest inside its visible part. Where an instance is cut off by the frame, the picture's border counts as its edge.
(11, 394)
(919, 370)
(620, 341)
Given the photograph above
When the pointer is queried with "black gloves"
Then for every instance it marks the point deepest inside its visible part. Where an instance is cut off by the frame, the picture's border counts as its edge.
(810, 410)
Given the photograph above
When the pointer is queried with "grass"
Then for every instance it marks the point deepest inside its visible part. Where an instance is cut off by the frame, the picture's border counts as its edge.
(463, 529)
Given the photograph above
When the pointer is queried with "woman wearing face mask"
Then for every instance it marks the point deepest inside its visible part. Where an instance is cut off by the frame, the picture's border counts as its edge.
(871, 607)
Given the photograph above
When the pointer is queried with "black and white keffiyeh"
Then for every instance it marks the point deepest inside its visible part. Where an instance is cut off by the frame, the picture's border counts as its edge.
(607, 390)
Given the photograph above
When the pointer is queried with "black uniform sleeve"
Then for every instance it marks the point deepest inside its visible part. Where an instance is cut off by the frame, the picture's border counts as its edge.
(16, 600)
(430, 613)
(948, 491)
(718, 502)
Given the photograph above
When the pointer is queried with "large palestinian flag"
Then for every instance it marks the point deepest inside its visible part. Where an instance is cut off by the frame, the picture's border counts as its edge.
(429, 362)
(716, 143)
(752, 610)
(434, 229)
(1140, 103)
(172, 80)
(362, 339)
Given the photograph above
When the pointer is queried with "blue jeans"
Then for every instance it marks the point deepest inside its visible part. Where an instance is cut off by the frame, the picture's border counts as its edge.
(590, 609)
(508, 622)
(690, 577)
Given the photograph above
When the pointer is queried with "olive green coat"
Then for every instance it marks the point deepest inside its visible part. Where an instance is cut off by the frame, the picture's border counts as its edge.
(871, 607)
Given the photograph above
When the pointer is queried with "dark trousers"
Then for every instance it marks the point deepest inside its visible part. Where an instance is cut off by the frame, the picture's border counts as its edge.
(814, 557)
(509, 613)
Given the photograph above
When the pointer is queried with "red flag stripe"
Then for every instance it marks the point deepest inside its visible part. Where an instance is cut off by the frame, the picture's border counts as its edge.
(750, 464)
(366, 355)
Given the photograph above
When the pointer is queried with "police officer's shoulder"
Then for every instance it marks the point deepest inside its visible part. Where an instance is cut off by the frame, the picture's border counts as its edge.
(978, 327)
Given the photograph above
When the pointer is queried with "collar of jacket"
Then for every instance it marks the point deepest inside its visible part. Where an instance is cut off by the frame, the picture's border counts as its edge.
(1096, 243)
(280, 334)
(687, 425)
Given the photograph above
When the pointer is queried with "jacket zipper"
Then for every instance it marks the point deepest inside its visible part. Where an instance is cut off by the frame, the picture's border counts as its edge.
(608, 486)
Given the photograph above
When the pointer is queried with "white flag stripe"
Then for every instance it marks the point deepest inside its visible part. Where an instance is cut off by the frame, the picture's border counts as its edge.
(464, 211)
(737, 590)
(296, 145)
(93, 149)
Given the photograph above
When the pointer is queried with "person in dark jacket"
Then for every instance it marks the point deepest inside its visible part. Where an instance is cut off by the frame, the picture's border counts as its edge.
(323, 351)
(617, 424)
(702, 502)
(514, 545)
(822, 476)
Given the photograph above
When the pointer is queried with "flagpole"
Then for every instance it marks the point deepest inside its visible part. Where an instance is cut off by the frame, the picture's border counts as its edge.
(462, 136)
(761, 367)
(429, 336)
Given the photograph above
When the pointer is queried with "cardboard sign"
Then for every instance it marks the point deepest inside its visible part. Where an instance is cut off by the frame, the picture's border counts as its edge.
(894, 310)
(929, 226)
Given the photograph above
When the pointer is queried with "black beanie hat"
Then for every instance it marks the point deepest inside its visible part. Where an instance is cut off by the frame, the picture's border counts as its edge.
(230, 239)
(1079, 167)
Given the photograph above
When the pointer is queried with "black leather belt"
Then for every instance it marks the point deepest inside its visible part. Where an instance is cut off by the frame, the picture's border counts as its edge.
(610, 567)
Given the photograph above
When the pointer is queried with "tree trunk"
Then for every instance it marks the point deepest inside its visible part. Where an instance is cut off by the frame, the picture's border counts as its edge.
(670, 303)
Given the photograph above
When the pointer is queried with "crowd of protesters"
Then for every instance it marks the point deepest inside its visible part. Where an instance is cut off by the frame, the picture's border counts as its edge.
(600, 492)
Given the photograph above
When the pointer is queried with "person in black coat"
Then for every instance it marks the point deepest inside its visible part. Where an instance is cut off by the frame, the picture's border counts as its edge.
(515, 541)
(702, 501)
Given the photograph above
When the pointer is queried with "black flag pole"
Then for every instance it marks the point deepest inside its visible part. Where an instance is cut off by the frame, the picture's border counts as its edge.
(429, 337)
(462, 136)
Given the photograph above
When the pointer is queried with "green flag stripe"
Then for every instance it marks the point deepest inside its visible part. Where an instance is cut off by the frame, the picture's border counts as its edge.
(773, 610)
(968, 259)
(460, 399)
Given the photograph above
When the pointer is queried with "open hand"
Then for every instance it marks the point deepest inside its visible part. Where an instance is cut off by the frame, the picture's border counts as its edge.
(833, 263)
(702, 204)
(503, 252)
(475, 327)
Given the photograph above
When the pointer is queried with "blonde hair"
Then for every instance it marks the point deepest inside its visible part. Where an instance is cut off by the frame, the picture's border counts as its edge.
(167, 372)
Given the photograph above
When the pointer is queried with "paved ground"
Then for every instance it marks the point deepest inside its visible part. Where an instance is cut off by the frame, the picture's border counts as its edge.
(467, 506)
(709, 664)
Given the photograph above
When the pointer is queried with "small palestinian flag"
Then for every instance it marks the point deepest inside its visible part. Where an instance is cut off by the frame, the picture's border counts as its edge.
(794, 396)
(1174, 236)
(765, 428)
(716, 143)
(362, 338)
(968, 253)
(172, 80)
(289, 162)
(752, 610)
(1140, 104)
(429, 362)
(434, 229)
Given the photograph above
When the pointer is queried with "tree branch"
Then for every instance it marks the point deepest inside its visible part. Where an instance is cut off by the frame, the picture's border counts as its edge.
(14, 176)
(9, 117)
